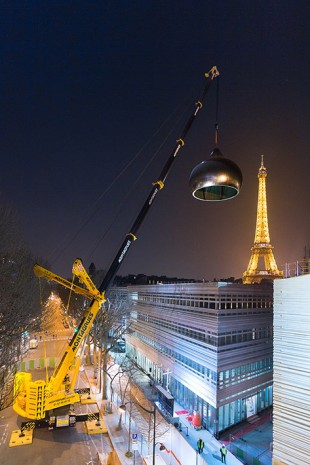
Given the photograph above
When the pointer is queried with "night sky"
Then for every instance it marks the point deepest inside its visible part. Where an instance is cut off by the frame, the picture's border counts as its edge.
(94, 95)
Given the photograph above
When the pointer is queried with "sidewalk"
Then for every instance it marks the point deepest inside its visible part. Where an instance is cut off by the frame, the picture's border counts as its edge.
(119, 438)
(252, 439)
(211, 452)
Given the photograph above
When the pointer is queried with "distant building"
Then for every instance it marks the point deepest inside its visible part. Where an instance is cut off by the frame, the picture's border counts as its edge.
(140, 279)
(209, 345)
(291, 411)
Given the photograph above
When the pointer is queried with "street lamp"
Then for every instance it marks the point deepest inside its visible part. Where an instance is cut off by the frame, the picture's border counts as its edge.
(123, 409)
(161, 447)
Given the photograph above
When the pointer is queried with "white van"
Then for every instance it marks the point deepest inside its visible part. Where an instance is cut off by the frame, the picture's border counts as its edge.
(33, 343)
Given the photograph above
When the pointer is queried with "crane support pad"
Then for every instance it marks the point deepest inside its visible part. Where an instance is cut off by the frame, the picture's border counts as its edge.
(87, 399)
(82, 390)
(94, 416)
(19, 438)
(96, 427)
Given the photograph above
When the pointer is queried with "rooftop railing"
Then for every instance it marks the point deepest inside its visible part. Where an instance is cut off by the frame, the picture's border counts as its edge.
(298, 268)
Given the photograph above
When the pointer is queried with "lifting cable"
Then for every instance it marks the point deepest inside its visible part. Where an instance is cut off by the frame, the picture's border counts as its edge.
(70, 293)
(69, 238)
(44, 339)
(121, 206)
(40, 292)
(100, 240)
(216, 133)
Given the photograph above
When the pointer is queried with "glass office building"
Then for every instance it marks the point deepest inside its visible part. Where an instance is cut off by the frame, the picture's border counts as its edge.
(208, 344)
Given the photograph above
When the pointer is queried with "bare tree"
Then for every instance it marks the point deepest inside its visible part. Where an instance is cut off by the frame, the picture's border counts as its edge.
(109, 327)
(19, 302)
(123, 377)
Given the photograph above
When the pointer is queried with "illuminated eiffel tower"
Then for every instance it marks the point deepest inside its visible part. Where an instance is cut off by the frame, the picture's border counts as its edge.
(262, 247)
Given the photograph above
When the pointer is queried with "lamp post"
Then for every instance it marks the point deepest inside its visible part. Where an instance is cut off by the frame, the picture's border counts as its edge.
(162, 446)
(123, 409)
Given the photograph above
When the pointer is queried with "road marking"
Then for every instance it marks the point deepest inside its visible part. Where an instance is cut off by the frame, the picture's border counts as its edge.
(4, 435)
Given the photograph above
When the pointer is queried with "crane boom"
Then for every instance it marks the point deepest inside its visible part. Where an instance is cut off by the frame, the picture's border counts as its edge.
(78, 270)
(32, 399)
(157, 187)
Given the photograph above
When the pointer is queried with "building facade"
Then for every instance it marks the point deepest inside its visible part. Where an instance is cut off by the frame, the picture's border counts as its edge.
(208, 344)
(291, 411)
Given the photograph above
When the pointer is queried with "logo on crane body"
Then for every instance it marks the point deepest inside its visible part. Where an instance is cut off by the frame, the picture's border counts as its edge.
(82, 331)
(124, 251)
(153, 196)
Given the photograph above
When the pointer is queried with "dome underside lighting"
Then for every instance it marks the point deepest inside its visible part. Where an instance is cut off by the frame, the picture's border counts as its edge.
(215, 193)
(216, 179)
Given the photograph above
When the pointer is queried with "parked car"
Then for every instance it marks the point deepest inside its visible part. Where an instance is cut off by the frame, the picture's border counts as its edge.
(119, 347)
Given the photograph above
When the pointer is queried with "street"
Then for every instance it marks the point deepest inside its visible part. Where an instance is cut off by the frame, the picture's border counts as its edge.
(57, 447)
(66, 445)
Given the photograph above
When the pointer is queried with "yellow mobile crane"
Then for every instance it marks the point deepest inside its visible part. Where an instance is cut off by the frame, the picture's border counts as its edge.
(34, 399)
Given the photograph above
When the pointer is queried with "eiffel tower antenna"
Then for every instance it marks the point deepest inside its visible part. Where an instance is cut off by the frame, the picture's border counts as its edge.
(262, 247)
